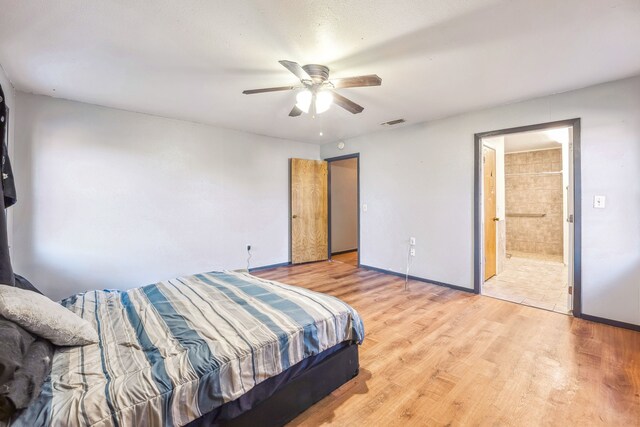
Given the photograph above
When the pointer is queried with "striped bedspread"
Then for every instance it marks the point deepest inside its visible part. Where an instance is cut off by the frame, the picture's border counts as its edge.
(173, 351)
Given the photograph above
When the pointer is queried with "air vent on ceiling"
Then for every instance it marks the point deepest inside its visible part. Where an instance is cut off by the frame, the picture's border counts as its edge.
(393, 122)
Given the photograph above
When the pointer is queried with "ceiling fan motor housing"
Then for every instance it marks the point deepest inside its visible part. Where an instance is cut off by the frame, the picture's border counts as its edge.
(318, 73)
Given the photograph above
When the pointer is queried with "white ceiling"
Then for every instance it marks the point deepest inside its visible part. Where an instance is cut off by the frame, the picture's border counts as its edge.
(536, 140)
(191, 59)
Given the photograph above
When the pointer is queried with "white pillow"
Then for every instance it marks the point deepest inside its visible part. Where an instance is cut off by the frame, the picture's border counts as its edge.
(44, 317)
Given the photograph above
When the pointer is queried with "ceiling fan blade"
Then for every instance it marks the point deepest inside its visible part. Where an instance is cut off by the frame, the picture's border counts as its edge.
(296, 69)
(358, 81)
(295, 112)
(347, 104)
(269, 89)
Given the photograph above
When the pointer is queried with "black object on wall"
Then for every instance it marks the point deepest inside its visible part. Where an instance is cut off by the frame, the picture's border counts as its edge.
(8, 189)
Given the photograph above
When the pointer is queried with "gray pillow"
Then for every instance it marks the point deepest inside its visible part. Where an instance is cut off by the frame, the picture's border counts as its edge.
(15, 342)
(23, 283)
(25, 362)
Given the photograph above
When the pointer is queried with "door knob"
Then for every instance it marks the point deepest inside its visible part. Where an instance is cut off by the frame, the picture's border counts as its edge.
(496, 219)
(294, 216)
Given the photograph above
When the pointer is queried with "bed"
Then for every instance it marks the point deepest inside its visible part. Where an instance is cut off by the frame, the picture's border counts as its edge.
(219, 348)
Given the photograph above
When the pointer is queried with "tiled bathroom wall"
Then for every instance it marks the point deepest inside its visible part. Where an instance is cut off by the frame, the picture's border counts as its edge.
(533, 193)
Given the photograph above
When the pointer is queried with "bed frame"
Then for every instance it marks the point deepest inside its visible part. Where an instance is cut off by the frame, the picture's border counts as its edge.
(278, 400)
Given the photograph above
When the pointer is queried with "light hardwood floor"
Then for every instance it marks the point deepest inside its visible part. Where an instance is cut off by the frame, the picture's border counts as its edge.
(347, 258)
(435, 356)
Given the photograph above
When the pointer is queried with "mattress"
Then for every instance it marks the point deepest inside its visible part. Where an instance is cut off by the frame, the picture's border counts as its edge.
(279, 399)
(173, 351)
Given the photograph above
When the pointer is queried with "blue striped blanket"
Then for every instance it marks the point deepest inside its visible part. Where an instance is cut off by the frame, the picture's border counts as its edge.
(173, 351)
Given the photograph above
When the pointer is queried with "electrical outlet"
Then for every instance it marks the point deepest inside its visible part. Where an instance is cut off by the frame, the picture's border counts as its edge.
(412, 241)
(412, 252)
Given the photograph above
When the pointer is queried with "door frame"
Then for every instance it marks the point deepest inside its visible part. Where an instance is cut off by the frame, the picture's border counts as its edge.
(478, 267)
(329, 161)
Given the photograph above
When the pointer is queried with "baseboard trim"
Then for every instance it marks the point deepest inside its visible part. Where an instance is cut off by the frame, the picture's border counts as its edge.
(266, 267)
(419, 279)
(611, 322)
(344, 252)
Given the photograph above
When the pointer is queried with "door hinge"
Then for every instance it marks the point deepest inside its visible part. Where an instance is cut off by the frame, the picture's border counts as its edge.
(570, 290)
(570, 219)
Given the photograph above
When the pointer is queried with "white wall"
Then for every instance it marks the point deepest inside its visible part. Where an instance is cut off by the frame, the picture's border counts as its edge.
(344, 205)
(114, 199)
(418, 181)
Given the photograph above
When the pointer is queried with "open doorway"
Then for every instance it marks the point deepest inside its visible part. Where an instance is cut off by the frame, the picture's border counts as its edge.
(526, 215)
(344, 213)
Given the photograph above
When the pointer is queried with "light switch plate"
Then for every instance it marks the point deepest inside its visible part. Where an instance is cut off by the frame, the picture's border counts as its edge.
(599, 202)
(364, 207)
(412, 241)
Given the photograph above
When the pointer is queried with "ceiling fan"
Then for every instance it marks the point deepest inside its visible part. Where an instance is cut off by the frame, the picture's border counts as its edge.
(317, 91)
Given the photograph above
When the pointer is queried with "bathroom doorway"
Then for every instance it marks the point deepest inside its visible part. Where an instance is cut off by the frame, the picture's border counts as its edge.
(526, 188)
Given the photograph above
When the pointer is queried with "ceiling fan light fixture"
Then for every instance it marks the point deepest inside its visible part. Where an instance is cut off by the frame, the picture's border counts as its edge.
(303, 100)
(321, 100)
(324, 99)
(316, 95)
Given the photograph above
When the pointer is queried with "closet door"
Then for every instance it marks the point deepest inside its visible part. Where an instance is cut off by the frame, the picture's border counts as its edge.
(308, 214)
(490, 219)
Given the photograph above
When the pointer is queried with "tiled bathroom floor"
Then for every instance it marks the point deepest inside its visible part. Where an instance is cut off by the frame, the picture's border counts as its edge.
(531, 279)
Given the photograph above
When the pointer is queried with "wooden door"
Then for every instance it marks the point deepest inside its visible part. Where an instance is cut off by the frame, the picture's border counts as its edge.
(489, 162)
(309, 211)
